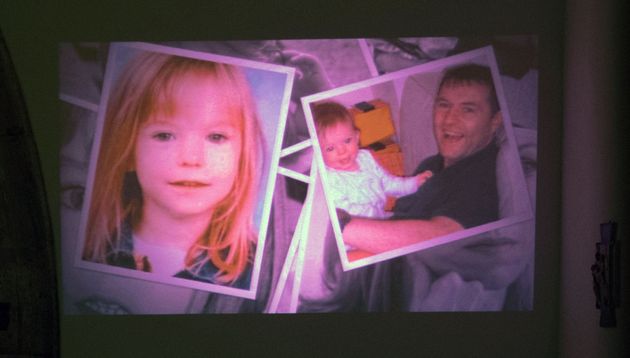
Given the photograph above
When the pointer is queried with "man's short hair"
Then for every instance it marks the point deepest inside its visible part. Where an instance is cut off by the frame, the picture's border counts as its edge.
(472, 73)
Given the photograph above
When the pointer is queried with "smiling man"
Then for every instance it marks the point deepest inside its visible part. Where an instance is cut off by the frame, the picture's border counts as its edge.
(463, 191)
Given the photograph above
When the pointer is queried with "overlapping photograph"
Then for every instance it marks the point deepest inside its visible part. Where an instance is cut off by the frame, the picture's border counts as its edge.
(418, 158)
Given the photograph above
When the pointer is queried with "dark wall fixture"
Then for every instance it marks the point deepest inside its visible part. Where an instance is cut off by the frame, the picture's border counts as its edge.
(606, 274)
(28, 288)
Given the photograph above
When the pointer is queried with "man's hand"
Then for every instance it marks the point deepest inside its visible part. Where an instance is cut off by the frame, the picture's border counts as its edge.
(310, 76)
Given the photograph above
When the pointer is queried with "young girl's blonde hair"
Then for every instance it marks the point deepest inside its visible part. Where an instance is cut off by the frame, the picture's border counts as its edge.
(143, 90)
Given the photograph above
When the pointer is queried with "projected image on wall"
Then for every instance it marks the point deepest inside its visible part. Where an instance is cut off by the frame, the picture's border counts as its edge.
(322, 111)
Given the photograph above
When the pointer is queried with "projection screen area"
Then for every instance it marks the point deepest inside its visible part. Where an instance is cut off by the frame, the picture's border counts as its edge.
(298, 176)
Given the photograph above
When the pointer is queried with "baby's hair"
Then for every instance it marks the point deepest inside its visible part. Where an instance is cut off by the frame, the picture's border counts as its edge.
(144, 90)
(329, 114)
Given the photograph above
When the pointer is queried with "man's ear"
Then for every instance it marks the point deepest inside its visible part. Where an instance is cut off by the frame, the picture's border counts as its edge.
(496, 119)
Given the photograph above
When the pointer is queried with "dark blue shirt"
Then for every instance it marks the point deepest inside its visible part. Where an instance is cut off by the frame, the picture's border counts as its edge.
(465, 191)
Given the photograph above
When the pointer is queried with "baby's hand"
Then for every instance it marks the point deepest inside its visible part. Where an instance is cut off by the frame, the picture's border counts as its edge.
(424, 176)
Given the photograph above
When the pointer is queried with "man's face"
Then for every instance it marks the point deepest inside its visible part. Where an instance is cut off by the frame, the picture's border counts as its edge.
(463, 122)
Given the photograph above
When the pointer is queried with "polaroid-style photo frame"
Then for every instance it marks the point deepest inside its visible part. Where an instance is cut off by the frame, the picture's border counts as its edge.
(270, 88)
(395, 111)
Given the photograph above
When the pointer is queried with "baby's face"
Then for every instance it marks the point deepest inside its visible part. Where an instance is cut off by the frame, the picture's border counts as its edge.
(340, 146)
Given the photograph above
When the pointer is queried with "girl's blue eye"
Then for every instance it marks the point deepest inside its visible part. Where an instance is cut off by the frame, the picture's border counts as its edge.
(329, 149)
(348, 140)
(217, 138)
(163, 136)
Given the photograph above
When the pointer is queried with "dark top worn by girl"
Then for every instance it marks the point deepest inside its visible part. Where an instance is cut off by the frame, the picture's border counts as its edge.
(202, 270)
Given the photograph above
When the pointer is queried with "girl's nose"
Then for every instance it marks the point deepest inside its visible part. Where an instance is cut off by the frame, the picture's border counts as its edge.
(191, 153)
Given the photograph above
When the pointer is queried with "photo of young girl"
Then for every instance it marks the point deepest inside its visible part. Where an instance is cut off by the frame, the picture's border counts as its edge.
(182, 173)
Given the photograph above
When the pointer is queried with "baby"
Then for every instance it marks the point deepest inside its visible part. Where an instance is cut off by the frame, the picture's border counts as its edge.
(356, 182)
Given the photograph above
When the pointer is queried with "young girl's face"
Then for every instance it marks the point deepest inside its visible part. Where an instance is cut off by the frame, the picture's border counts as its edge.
(340, 146)
(187, 161)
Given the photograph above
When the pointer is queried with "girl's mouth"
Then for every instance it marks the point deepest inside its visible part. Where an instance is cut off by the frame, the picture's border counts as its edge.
(189, 184)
